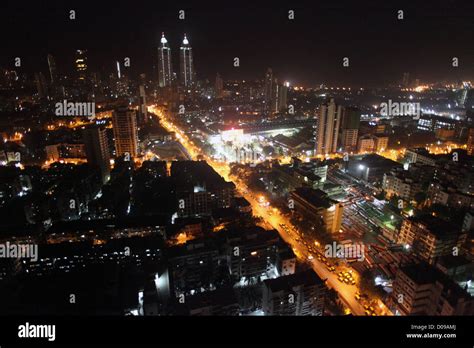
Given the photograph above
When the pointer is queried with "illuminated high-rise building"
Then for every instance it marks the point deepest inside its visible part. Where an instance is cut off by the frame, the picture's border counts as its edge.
(119, 74)
(81, 64)
(268, 95)
(124, 122)
(97, 150)
(187, 76)
(274, 94)
(165, 70)
(275, 97)
(406, 79)
(52, 69)
(219, 88)
(283, 96)
(142, 109)
(349, 128)
(328, 128)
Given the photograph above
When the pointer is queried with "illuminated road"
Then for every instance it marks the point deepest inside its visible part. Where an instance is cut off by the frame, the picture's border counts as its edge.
(275, 220)
(346, 292)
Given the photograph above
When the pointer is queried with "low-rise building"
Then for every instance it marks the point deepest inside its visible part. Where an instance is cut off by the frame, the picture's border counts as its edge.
(396, 184)
(301, 293)
(449, 195)
(192, 267)
(253, 253)
(220, 302)
(431, 237)
(421, 289)
(317, 206)
(406, 183)
(199, 188)
(371, 143)
(421, 156)
(371, 168)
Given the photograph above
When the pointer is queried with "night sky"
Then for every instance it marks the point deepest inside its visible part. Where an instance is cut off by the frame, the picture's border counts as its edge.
(307, 50)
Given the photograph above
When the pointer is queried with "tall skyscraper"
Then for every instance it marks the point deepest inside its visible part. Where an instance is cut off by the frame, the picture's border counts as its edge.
(119, 74)
(142, 109)
(350, 128)
(219, 88)
(81, 64)
(186, 63)
(52, 69)
(274, 98)
(406, 79)
(124, 122)
(165, 69)
(328, 128)
(283, 96)
(268, 95)
(97, 150)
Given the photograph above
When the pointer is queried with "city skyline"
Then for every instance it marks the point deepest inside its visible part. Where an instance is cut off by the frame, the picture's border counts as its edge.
(313, 54)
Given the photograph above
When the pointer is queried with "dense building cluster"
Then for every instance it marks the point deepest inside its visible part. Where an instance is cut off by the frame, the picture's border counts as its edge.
(172, 193)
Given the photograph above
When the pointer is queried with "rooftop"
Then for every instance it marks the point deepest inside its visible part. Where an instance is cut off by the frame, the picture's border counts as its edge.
(306, 278)
(316, 198)
(193, 173)
(374, 160)
(436, 225)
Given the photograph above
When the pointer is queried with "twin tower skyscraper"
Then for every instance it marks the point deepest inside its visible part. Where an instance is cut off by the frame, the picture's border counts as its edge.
(165, 68)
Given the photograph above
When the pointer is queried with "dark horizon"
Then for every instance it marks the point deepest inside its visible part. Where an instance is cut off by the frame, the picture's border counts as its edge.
(305, 51)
